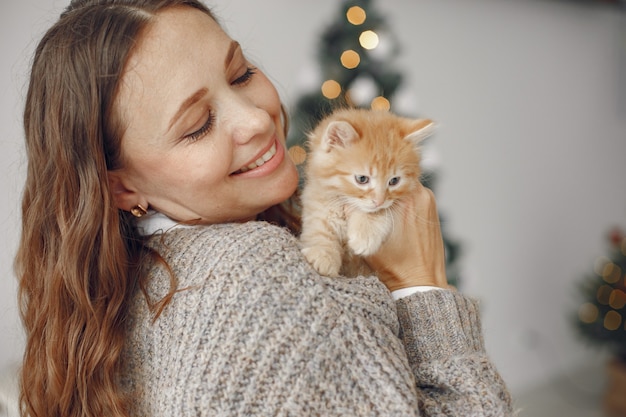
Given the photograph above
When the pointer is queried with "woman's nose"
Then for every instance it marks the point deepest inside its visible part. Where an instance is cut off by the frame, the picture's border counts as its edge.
(247, 120)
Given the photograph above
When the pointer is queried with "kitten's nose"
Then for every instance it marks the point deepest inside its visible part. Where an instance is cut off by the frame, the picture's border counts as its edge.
(379, 197)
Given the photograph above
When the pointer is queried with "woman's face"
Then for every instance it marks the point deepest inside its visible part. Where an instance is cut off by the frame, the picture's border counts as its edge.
(203, 136)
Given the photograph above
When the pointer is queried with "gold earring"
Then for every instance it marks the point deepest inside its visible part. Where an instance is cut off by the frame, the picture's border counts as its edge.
(138, 211)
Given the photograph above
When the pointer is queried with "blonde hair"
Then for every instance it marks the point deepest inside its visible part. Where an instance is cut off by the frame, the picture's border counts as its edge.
(79, 257)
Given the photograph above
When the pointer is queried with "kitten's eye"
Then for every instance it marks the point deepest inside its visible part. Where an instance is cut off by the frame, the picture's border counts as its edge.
(394, 181)
(361, 179)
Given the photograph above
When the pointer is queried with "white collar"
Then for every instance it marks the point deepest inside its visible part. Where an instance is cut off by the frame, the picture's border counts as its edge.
(156, 223)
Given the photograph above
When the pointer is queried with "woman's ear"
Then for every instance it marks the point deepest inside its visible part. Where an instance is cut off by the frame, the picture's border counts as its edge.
(124, 196)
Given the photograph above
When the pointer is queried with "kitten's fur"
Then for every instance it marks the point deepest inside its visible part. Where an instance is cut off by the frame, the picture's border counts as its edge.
(360, 162)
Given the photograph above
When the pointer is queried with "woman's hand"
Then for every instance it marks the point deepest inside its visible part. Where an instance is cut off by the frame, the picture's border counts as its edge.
(413, 255)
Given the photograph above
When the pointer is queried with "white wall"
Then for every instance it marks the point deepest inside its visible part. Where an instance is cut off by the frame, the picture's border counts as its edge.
(532, 99)
(20, 24)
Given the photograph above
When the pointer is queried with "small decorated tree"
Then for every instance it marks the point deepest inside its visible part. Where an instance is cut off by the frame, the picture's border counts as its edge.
(601, 318)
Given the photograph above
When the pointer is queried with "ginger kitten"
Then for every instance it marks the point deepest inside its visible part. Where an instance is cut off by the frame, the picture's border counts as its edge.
(360, 163)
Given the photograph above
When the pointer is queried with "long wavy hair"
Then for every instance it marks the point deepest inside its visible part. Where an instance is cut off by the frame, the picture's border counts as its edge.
(79, 258)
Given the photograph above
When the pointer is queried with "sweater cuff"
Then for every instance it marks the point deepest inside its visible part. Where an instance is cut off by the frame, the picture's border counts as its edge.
(405, 292)
(437, 325)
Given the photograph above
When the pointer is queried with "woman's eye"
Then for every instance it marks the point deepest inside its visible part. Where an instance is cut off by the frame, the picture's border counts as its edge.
(250, 71)
(394, 181)
(361, 179)
(206, 127)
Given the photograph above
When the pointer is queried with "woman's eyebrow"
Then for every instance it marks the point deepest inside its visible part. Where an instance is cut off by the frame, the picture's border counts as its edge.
(195, 97)
(234, 45)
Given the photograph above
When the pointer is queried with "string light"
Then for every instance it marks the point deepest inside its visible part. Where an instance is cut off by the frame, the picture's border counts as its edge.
(297, 154)
(617, 300)
(381, 103)
(611, 273)
(588, 313)
(599, 264)
(612, 320)
(331, 89)
(603, 294)
(356, 15)
(368, 39)
(350, 59)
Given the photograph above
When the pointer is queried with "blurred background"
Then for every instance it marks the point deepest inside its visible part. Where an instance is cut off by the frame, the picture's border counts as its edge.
(529, 159)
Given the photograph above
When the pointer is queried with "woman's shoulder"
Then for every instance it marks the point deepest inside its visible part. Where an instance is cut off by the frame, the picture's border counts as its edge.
(244, 264)
(233, 243)
(248, 234)
(252, 254)
(232, 251)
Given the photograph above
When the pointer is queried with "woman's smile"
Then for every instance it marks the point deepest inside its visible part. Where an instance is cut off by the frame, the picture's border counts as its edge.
(264, 164)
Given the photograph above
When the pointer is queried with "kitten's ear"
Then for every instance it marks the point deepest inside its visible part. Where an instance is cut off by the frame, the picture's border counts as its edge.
(338, 134)
(421, 129)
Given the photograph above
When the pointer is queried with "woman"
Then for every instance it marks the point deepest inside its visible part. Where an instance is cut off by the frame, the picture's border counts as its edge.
(148, 284)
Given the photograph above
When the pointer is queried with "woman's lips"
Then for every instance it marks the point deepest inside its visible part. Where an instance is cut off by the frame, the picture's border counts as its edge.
(259, 162)
(264, 164)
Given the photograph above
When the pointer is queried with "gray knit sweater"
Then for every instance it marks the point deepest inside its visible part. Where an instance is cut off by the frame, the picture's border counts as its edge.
(255, 331)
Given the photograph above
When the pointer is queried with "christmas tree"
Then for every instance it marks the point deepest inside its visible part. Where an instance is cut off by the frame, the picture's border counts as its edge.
(601, 316)
(355, 55)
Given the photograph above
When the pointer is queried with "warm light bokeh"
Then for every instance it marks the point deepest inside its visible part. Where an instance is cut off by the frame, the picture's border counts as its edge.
(356, 15)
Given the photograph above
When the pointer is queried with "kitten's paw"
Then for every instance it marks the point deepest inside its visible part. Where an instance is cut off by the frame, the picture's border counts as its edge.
(366, 233)
(364, 245)
(324, 262)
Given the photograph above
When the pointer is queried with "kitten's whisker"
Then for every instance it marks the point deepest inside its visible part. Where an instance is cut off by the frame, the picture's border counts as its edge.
(424, 220)
(391, 213)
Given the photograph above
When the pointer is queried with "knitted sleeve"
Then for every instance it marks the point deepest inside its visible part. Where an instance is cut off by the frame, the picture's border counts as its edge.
(443, 341)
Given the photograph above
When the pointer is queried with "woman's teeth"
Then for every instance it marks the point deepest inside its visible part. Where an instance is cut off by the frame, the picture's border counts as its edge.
(263, 159)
